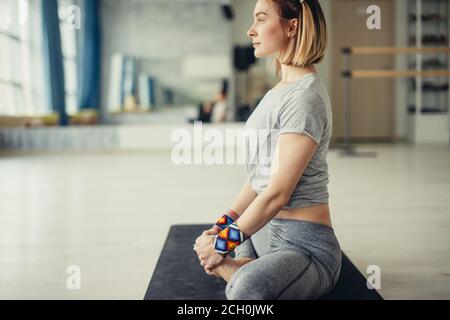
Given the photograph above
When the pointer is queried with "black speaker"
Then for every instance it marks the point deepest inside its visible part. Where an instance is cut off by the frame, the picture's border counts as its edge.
(244, 57)
(243, 112)
(227, 11)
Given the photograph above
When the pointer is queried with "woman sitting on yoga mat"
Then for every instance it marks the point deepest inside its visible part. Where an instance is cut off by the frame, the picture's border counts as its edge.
(298, 255)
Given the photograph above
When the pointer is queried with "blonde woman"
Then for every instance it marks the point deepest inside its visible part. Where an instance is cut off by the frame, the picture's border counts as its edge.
(286, 197)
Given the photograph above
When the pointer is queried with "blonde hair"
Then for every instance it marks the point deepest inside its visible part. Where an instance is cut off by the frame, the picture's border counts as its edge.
(311, 39)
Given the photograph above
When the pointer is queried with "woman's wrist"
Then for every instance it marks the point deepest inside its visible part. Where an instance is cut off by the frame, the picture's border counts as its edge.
(225, 220)
(228, 239)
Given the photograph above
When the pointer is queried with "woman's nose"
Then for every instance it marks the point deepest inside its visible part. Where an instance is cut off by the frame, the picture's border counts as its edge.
(251, 32)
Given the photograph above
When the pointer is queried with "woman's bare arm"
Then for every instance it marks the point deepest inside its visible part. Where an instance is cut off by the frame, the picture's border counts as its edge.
(293, 153)
(244, 198)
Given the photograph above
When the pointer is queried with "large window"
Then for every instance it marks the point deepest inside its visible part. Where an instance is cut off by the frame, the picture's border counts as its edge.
(21, 74)
(22, 82)
(11, 86)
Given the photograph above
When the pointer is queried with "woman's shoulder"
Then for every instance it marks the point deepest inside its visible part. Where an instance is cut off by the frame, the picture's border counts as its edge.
(309, 90)
(306, 97)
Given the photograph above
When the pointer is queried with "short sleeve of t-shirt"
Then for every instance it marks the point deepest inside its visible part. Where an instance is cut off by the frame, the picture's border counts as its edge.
(303, 113)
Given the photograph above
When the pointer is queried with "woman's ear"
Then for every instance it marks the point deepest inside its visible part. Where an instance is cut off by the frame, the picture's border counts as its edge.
(293, 27)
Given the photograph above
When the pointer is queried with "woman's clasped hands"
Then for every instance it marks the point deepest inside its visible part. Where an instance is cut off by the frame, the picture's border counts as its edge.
(204, 247)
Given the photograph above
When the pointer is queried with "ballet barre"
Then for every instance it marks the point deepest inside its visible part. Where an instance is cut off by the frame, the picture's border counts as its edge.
(348, 74)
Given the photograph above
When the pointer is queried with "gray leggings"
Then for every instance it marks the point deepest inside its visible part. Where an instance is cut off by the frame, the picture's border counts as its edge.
(294, 259)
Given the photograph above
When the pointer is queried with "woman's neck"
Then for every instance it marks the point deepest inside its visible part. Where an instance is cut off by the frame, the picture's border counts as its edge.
(291, 73)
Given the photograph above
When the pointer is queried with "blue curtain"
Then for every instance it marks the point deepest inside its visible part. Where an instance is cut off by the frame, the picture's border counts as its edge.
(54, 69)
(89, 56)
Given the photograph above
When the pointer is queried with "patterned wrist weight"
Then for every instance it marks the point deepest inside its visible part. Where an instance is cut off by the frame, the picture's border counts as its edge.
(228, 239)
(224, 221)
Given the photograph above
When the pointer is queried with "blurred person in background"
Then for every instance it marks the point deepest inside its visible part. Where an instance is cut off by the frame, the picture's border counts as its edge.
(220, 108)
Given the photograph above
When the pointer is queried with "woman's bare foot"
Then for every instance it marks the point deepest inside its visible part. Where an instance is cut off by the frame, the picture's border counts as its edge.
(228, 267)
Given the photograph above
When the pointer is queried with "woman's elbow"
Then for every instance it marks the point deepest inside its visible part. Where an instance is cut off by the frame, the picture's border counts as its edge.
(277, 200)
(282, 201)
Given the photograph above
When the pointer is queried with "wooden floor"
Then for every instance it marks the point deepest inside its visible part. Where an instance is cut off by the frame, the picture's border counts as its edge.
(109, 214)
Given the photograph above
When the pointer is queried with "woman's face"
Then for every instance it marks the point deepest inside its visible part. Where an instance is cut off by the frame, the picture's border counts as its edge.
(266, 32)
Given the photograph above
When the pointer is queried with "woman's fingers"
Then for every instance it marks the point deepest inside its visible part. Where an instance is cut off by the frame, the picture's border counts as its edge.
(214, 261)
(209, 264)
(199, 238)
(208, 271)
(211, 232)
(206, 264)
(212, 273)
(200, 241)
(207, 255)
(203, 238)
(204, 243)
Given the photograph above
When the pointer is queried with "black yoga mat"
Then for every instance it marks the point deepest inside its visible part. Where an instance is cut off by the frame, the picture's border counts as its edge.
(179, 276)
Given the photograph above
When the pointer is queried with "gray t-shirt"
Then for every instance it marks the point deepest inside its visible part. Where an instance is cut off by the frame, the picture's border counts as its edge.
(300, 107)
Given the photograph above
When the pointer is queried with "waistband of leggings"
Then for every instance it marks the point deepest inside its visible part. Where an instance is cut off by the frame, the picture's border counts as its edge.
(302, 223)
(304, 233)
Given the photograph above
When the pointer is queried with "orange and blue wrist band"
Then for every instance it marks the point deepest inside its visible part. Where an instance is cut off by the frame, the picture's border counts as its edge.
(224, 221)
(228, 239)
